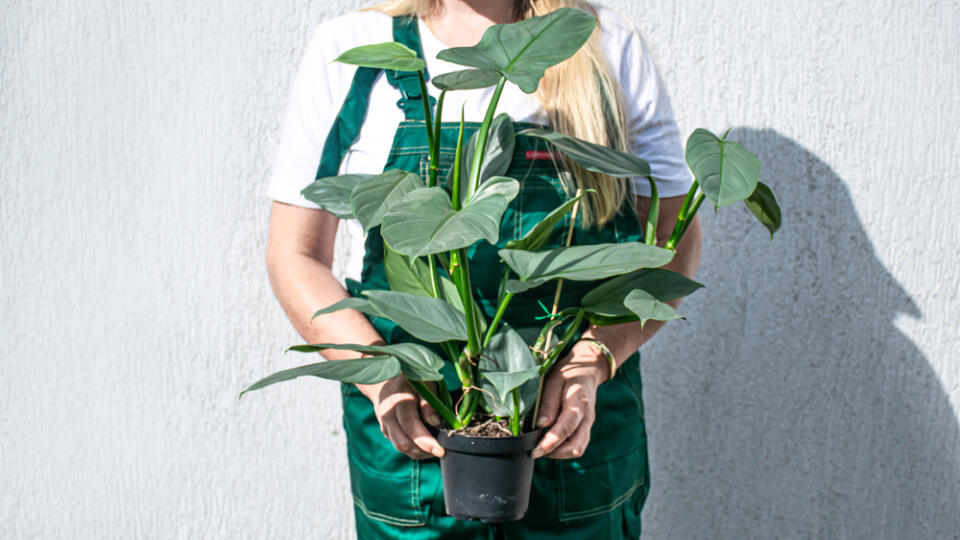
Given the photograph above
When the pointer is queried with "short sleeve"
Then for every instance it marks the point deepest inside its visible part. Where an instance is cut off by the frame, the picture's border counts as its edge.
(654, 135)
(311, 111)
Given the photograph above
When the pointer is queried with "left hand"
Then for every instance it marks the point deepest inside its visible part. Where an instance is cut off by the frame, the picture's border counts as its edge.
(568, 400)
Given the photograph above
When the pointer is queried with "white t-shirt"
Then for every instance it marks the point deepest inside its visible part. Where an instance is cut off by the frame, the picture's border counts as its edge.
(322, 85)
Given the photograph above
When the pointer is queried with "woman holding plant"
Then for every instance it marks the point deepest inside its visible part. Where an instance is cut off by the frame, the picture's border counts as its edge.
(360, 121)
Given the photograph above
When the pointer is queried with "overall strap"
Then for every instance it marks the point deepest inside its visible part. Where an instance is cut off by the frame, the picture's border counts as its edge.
(346, 126)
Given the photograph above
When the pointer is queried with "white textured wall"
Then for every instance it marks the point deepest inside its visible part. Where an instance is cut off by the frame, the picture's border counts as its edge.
(813, 391)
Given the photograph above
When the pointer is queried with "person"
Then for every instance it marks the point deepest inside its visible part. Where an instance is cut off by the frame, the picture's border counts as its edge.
(342, 119)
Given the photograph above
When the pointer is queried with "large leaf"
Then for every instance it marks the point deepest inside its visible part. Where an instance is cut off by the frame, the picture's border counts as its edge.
(426, 318)
(467, 79)
(537, 237)
(507, 364)
(360, 304)
(417, 362)
(580, 263)
(389, 55)
(763, 205)
(368, 370)
(726, 171)
(607, 299)
(498, 155)
(522, 51)
(424, 222)
(647, 307)
(332, 193)
(594, 157)
(374, 196)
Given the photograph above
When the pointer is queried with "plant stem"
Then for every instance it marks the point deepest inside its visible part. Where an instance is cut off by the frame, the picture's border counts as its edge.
(481, 148)
(445, 395)
(465, 421)
(455, 181)
(681, 217)
(435, 142)
(653, 214)
(427, 117)
(515, 418)
(435, 402)
(474, 347)
(693, 212)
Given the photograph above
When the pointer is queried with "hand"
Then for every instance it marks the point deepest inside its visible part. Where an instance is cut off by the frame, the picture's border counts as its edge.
(399, 410)
(570, 389)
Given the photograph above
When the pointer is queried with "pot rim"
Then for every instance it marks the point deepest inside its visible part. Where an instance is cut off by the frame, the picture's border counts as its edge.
(469, 444)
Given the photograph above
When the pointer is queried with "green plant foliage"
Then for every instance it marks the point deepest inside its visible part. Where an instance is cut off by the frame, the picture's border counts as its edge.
(467, 79)
(727, 172)
(537, 237)
(647, 307)
(580, 263)
(594, 157)
(417, 362)
(607, 298)
(424, 221)
(508, 364)
(373, 196)
(389, 55)
(360, 304)
(522, 51)
(425, 318)
(368, 370)
(499, 153)
(332, 193)
(763, 205)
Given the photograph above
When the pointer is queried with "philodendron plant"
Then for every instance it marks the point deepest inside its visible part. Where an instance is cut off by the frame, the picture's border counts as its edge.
(427, 229)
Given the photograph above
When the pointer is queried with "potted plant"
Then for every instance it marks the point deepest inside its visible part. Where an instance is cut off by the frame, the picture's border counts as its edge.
(428, 227)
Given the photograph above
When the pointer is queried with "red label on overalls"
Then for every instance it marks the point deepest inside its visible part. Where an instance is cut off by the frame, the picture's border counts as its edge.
(541, 155)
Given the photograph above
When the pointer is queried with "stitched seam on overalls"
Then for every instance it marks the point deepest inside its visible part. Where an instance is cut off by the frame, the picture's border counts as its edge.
(580, 514)
(400, 522)
(415, 489)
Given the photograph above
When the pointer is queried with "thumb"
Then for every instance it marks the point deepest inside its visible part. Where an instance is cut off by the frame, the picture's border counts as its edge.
(550, 400)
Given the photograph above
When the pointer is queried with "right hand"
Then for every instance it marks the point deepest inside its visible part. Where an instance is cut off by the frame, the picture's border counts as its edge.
(401, 412)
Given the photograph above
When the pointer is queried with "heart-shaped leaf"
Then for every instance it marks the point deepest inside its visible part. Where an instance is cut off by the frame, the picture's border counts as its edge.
(726, 171)
(522, 51)
(537, 237)
(417, 362)
(580, 263)
(424, 222)
(647, 307)
(368, 370)
(606, 300)
(467, 79)
(332, 193)
(594, 157)
(389, 55)
(763, 205)
(371, 198)
(425, 318)
(360, 304)
(507, 364)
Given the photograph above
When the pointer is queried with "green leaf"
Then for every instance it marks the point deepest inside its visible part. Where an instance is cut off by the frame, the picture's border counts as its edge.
(606, 300)
(499, 152)
(580, 263)
(389, 55)
(368, 370)
(467, 79)
(417, 361)
(425, 318)
(522, 51)
(726, 171)
(359, 304)
(647, 307)
(594, 157)
(537, 237)
(763, 205)
(507, 363)
(424, 222)
(332, 193)
(375, 195)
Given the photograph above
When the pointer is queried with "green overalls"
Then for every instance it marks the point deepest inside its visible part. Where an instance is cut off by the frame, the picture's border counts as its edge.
(597, 496)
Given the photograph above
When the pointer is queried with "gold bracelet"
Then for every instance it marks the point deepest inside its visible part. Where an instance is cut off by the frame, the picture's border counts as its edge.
(604, 350)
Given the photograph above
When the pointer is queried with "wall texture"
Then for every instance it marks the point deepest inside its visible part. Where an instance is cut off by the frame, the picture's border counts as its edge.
(813, 391)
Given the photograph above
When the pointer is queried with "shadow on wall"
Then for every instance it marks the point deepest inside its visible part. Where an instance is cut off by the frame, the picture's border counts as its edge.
(802, 411)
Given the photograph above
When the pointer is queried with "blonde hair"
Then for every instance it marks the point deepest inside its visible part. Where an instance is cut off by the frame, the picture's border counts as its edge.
(581, 97)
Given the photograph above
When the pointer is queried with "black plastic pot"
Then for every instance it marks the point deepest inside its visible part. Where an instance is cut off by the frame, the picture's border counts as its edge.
(487, 479)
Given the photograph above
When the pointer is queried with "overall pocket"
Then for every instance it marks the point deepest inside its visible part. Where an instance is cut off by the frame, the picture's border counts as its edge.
(385, 483)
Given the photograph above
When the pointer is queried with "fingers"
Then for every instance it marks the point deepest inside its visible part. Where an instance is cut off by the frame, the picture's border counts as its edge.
(550, 399)
(576, 445)
(429, 415)
(413, 428)
(576, 411)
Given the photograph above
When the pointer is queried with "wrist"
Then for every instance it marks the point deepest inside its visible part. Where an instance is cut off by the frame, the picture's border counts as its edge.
(604, 357)
(589, 359)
